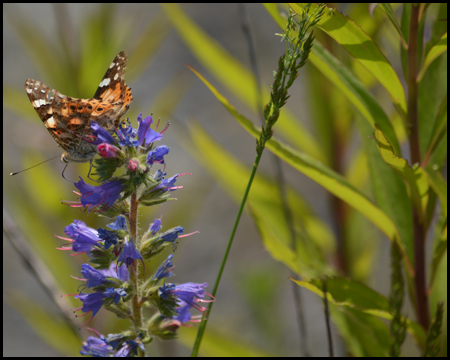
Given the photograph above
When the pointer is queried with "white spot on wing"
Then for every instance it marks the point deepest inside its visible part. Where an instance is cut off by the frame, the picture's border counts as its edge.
(50, 123)
(112, 64)
(39, 102)
(105, 82)
(116, 76)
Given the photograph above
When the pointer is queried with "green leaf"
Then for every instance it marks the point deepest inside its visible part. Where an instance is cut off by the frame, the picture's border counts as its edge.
(236, 78)
(358, 297)
(415, 177)
(359, 45)
(438, 49)
(352, 88)
(347, 83)
(390, 13)
(365, 335)
(439, 186)
(439, 262)
(439, 131)
(389, 190)
(432, 107)
(324, 176)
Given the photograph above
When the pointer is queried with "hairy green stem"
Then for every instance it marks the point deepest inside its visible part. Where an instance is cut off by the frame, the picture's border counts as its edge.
(135, 304)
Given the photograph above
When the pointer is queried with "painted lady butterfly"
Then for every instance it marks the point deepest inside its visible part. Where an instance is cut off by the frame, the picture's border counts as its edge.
(67, 119)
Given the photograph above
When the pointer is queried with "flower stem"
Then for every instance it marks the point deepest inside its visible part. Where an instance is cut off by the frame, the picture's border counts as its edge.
(134, 273)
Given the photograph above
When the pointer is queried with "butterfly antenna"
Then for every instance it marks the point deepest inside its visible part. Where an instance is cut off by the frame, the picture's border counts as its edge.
(18, 172)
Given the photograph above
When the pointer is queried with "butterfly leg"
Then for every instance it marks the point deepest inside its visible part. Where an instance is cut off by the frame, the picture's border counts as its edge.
(65, 167)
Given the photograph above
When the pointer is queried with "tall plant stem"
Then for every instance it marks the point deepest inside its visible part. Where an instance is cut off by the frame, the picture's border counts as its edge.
(134, 274)
(419, 229)
(202, 328)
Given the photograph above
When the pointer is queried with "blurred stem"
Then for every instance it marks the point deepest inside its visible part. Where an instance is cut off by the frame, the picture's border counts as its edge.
(339, 208)
(327, 318)
(419, 229)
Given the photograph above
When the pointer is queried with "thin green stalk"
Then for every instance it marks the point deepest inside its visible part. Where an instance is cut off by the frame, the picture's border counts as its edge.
(297, 51)
(281, 184)
(202, 327)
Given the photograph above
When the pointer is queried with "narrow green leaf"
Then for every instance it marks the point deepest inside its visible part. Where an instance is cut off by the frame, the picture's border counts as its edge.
(439, 131)
(389, 189)
(359, 45)
(352, 88)
(236, 78)
(438, 264)
(347, 83)
(350, 294)
(439, 186)
(365, 335)
(390, 13)
(324, 176)
(432, 106)
(415, 177)
(438, 49)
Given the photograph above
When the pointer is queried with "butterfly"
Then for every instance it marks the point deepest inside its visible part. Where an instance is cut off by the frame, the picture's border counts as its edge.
(67, 119)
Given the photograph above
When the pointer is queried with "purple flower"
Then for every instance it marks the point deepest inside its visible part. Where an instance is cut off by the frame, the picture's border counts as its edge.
(91, 302)
(167, 184)
(110, 237)
(97, 347)
(115, 294)
(84, 237)
(146, 134)
(102, 135)
(94, 301)
(155, 226)
(117, 272)
(171, 235)
(105, 194)
(165, 270)
(129, 254)
(157, 155)
(126, 135)
(119, 224)
(187, 295)
(159, 175)
(94, 277)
